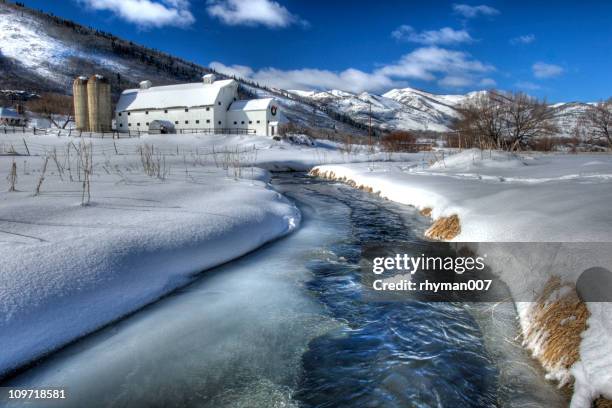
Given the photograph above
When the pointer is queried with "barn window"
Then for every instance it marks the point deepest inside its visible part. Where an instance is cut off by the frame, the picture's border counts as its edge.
(235, 123)
(138, 124)
(147, 123)
(186, 122)
(207, 120)
(219, 103)
(259, 121)
(242, 123)
(146, 112)
(207, 108)
(250, 122)
(121, 125)
(165, 110)
(186, 109)
(128, 113)
(119, 113)
(219, 122)
(129, 124)
(176, 122)
(197, 122)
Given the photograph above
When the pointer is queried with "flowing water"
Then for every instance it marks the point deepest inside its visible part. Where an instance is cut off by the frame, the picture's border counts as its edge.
(286, 327)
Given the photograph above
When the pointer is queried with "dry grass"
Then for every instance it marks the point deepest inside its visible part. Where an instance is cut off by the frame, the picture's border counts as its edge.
(426, 212)
(444, 228)
(557, 325)
(602, 403)
(558, 322)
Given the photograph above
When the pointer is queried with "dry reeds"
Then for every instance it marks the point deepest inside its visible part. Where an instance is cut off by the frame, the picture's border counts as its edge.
(444, 228)
(12, 177)
(426, 212)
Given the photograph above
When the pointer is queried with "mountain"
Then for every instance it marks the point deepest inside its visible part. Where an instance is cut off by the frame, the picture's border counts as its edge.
(44, 53)
(413, 109)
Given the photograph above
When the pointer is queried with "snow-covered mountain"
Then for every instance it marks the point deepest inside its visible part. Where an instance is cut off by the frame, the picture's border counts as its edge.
(397, 109)
(43, 53)
(413, 109)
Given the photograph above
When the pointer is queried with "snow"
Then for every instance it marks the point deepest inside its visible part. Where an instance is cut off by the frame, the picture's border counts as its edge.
(504, 197)
(251, 105)
(172, 96)
(24, 39)
(69, 269)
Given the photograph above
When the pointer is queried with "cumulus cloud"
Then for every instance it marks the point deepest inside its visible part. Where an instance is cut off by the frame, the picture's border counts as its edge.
(147, 13)
(474, 11)
(252, 12)
(487, 83)
(523, 39)
(544, 70)
(451, 69)
(351, 79)
(527, 86)
(443, 36)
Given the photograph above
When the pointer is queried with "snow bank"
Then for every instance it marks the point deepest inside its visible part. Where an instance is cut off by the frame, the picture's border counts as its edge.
(69, 269)
(501, 197)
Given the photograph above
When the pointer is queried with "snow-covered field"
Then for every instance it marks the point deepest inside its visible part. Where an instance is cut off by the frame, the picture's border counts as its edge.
(69, 268)
(502, 197)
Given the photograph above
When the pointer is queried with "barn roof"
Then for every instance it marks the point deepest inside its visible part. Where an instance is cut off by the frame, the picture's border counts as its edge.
(251, 105)
(172, 96)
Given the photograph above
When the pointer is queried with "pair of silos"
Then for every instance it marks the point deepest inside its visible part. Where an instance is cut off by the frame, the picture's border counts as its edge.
(92, 104)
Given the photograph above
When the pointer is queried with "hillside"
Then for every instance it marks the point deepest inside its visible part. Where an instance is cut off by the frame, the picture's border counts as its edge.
(413, 109)
(43, 53)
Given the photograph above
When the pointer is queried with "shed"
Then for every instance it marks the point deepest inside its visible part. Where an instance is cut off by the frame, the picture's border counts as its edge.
(10, 117)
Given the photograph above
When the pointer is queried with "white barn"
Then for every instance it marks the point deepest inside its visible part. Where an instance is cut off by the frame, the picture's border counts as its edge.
(209, 106)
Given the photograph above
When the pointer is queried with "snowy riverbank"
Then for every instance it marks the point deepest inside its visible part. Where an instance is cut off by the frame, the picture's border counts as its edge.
(158, 210)
(499, 197)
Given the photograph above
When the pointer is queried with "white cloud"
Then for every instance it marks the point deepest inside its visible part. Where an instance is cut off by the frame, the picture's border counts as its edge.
(523, 39)
(351, 79)
(543, 70)
(147, 13)
(424, 63)
(452, 69)
(487, 83)
(240, 71)
(528, 86)
(456, 81)
(252, 12)
(443, 36)
(474, 11)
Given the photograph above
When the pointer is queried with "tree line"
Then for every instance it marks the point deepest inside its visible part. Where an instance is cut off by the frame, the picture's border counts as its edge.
(514, 121)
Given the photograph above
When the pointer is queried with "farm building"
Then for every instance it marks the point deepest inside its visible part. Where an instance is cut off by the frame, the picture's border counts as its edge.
(11, 117)
(209, 106)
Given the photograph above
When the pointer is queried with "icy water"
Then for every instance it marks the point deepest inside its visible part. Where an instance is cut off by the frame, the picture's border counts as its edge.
(286, 327)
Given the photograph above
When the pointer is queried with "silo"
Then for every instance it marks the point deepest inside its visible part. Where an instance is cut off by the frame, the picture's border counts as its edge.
(99, 97)
(79, 92)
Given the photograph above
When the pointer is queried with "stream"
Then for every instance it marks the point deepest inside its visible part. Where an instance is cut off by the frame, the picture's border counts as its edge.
(285, 326)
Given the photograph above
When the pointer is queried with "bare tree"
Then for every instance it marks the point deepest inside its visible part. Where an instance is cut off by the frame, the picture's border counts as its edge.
(482, 121)
(50, 105)
(599, 117)
(525, 118)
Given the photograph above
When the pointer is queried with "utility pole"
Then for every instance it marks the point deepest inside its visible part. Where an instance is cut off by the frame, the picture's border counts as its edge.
(370, 126)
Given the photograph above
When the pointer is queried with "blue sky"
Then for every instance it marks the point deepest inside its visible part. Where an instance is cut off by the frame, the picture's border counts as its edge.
(559, 50)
